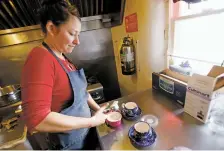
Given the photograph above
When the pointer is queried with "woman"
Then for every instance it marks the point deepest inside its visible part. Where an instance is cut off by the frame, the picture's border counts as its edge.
(54, 96)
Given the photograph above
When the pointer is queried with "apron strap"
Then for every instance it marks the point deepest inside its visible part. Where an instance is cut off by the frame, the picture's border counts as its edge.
(51, 51)
(77, 68)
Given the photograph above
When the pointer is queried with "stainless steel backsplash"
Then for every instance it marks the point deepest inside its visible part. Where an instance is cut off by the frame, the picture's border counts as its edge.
(94, 54)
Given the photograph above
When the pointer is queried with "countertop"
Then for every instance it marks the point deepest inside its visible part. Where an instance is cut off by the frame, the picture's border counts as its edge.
(15, 139)
(175, 127)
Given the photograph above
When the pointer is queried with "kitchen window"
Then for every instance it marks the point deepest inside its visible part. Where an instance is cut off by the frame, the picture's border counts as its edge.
(197, 37)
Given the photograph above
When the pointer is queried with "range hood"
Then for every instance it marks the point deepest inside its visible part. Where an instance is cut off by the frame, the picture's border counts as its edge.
(95, 14)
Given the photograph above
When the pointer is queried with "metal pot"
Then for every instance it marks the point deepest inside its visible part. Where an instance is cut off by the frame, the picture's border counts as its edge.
(9, 95)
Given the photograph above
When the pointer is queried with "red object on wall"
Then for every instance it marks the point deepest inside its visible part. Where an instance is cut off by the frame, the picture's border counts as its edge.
(131, 23)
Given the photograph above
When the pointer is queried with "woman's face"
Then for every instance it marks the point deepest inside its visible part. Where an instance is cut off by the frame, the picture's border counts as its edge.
(67, 35)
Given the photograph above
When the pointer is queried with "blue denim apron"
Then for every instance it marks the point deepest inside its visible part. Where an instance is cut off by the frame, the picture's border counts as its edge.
(74, 139)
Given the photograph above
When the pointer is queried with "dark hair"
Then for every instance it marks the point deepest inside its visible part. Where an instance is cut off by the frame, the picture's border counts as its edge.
(57, 11)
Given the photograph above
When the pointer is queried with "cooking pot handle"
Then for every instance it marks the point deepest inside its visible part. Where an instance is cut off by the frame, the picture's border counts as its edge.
(0, 91)
(18, 110)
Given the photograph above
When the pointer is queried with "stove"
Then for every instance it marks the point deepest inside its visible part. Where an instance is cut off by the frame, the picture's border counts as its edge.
(91, 80)
(95, 89)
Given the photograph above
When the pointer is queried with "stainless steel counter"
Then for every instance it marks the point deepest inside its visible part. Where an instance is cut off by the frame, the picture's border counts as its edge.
(22, 146)
(175, 127)
(15, 139)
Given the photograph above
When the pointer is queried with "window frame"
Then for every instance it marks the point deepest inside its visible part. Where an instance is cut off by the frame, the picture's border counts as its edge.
(172, 33)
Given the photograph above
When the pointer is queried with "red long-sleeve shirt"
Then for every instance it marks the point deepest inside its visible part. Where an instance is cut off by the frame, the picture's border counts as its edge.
(45, 86)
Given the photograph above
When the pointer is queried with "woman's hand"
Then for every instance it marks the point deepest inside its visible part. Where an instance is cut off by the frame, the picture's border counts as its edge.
(99, 117)
(92, 104)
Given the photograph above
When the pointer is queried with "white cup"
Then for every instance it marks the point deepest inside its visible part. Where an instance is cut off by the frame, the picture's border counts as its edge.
(142, 130)
(130, 108)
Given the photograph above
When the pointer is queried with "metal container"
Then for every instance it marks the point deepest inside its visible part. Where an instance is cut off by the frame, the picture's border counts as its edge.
(127, 55)
(9, 95)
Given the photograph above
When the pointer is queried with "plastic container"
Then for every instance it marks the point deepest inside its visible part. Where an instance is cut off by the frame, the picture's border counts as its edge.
(216, 121)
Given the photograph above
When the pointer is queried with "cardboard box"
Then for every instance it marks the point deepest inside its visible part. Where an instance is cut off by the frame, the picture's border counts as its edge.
(171, 87)
(203, 92)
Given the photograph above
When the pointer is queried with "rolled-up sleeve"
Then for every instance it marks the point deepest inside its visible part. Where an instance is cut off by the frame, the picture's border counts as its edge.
(37, 83)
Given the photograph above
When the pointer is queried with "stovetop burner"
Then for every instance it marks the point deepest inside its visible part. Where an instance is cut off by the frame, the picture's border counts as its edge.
(95, 89)
(92, 80)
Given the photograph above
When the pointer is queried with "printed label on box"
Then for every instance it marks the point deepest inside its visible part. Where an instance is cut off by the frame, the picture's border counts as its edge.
(198, 102)
(201, 86)
(166, 85)
(196, 106)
